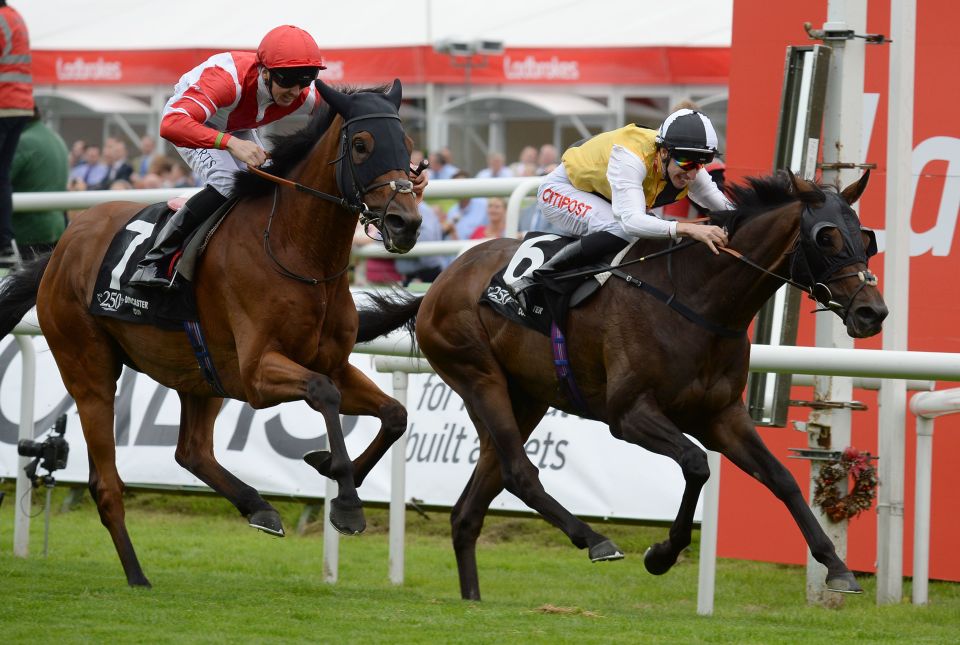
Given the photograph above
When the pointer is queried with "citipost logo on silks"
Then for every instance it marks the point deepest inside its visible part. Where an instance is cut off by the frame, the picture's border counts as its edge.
(264, 448)
(557, 200)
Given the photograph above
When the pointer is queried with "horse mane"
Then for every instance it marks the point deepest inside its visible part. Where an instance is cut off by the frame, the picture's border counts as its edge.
(288, 150)
(761, 195)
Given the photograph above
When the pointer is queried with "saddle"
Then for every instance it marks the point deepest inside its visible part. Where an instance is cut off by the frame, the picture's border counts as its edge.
(163, 308)
(559, 293)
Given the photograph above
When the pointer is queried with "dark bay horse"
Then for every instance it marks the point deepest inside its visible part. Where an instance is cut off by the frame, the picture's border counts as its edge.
(644, 369)
(276, 309)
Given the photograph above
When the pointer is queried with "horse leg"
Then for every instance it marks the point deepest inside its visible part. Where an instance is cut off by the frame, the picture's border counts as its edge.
(106, 487)
(274, 378)
(466, 518)
(361, 396)
(735, 436)
(645, 426)
(489, 405)
(195, 454)
(90, 368)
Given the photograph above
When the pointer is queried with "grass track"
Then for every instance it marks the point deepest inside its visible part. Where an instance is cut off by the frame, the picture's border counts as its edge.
(218, 581)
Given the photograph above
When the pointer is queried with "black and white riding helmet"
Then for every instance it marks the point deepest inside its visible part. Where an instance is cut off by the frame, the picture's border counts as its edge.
(689, 135)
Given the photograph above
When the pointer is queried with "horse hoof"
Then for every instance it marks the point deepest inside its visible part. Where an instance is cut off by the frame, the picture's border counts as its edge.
(348, 520)
(844, 583)
(268, 521)
(605, 550)
(140, 583)
(657, 559)
(319, 459)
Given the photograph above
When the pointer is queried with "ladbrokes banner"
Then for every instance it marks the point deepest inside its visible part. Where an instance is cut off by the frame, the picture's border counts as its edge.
(580, 463)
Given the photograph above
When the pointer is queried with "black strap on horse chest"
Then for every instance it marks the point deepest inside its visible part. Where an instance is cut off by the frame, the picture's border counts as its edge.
(679, 307)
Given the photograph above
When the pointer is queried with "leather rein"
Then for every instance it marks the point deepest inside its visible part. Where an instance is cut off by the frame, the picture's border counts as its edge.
(826, 301)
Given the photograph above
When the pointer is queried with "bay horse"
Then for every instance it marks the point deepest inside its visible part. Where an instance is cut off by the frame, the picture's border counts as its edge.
(649, 372)
(273, 299)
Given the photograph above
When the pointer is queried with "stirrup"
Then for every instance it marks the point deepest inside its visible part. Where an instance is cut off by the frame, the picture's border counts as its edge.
(520, 291)
(147, 276)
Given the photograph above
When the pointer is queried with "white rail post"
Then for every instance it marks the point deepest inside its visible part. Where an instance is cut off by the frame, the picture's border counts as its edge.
(331, 539)
(926, 406)
(708, 537)
(921, 516)
(24, 494)
(398, 507)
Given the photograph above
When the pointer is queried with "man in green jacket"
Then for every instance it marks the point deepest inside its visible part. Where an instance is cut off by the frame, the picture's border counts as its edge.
(39, 165)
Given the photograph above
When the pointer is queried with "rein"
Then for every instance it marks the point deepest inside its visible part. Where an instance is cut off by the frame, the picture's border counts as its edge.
(283, 270)
(825, 299)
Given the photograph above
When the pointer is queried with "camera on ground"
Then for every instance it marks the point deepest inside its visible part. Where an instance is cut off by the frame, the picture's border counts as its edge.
(50, 454)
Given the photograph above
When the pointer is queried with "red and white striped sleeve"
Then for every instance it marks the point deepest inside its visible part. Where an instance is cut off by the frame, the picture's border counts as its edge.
(183, 125)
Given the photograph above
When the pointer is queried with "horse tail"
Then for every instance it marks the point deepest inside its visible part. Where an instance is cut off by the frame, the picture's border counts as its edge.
(18, 292)
(387, 312)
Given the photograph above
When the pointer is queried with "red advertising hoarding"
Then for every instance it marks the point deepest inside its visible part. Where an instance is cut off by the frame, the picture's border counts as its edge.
(753, 524)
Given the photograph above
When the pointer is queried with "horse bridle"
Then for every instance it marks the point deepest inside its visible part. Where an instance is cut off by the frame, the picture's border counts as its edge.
(354, 204)
(819, 291)
(355, 201)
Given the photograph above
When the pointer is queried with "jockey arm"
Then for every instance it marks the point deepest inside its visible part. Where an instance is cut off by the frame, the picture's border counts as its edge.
(626, 173)
(185, 124)
(705, 192)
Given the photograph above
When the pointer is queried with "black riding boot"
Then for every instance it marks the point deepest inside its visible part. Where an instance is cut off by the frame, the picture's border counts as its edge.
(587, 250)
(151, 272)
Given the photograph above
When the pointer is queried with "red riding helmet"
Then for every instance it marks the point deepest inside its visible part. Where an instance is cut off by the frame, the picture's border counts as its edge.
(289, 46)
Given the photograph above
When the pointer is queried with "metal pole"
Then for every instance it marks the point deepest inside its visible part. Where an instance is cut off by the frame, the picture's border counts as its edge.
(842, 127)
(921, 516)
(46, 521)
(896, 273)
(24, 494)
(708, 537)
(398, 465)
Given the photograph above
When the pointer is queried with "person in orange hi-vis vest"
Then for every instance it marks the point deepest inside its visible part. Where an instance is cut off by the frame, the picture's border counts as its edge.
(16, 109)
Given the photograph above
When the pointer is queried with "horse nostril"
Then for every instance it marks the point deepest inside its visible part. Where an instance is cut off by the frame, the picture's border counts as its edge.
(394, 223)
(871, 315)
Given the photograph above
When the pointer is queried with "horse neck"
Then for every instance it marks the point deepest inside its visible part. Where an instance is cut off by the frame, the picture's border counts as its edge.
(733, 296)
(320, 231)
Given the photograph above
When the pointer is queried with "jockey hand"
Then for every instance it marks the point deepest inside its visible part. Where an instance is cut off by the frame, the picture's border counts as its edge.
(247, 151)
(712, 236)
(420, 178)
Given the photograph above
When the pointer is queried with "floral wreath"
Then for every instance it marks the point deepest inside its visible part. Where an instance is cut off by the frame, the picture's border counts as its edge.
(837, 506)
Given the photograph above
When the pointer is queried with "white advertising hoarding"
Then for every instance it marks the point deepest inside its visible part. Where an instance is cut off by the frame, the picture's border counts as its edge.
(580, 463)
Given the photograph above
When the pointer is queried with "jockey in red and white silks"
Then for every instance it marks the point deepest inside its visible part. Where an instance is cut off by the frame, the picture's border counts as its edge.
(229, 95)
(211, 119)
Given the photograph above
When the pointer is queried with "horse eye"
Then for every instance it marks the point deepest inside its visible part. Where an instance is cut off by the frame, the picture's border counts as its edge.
(827, 240)
(359, 146)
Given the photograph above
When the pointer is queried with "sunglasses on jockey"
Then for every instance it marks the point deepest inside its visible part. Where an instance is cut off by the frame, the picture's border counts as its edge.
(294, 76)
(688, 159)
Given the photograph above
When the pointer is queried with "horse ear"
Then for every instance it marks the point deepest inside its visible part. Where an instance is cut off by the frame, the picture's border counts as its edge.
(339, 101)
(806, 191)
(853, 192)
(395, 93)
